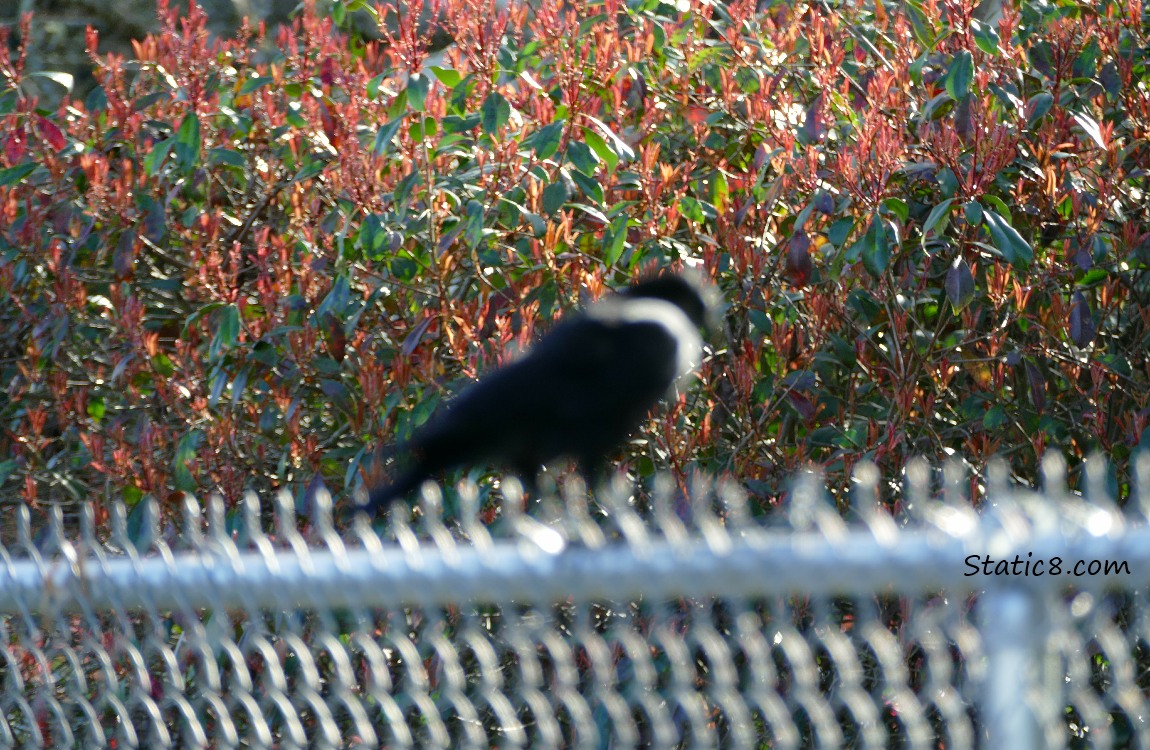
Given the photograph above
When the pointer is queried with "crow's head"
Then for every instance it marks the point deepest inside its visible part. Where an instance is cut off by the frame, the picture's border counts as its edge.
(686, 291)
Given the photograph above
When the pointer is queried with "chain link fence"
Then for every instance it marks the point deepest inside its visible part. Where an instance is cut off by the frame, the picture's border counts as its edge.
(672, 621)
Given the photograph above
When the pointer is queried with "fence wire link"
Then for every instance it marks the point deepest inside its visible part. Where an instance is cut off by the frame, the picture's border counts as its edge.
(683, 621)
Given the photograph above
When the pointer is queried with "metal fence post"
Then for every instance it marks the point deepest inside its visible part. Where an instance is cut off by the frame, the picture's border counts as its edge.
(1011, 623)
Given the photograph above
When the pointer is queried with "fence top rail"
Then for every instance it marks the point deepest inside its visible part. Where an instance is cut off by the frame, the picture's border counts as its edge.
(687, 547)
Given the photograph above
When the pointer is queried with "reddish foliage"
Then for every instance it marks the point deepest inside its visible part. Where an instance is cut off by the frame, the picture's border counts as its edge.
(243, 262)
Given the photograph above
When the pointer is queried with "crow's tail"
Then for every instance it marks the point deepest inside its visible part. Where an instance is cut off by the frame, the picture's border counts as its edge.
(383, 496)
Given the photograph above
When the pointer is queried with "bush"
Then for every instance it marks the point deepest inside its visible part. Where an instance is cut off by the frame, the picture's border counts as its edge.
(242, 263)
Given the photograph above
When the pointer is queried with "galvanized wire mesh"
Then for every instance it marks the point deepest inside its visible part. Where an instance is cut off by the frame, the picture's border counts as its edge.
(673, 621)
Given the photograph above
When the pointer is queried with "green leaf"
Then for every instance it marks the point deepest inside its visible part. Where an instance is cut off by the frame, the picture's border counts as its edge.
(720, 192)
(155, 159)
(65, 80)
(616, 239)
(229, 328)
(589, 185)
(1009, 242)
(374, 84)
(548, 138)
(1038, 106)
(473, 234)
(999, 207)
(985, 36)
(12, 175)
(424, 128)
(618, 146)
(840, 230)
(96, 408)
(163, 364)
(494, 112)
(600, 148)
(995, 418)
(310, 169)
(449, 77)
(972, 211)
(238, 385)
(187, 146)
(254, 84)
(417, 85)
(960, 75)
(186, 454)
(556, 194)
(219, 382)
(336, 301)
(938, 218)
(692, 209)
(7, 467)
(581, 155)
(226, 157)
(875, 248)
(384, 136)
(898, 207)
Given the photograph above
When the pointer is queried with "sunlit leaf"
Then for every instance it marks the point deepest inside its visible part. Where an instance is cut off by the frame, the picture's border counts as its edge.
(449, 77)
(985, 36)
(1009, 242)
(616, 239)
(600, 148)
(720, 192)
(57, 77)
(617, 145)
(589, 185)
(581, 155)
(1090, 126)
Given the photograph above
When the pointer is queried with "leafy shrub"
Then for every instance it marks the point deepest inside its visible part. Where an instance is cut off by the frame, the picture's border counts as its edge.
(244, 262)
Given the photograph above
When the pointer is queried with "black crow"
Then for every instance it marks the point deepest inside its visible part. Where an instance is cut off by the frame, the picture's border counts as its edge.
(577, 394)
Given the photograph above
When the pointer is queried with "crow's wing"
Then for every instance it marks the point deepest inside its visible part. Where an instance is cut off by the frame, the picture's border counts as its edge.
(580, 391)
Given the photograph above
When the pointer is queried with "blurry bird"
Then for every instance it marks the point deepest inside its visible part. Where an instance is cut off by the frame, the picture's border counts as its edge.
(577, 394)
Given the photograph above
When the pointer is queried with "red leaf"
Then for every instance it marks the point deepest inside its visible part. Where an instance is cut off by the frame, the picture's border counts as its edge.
(802, 405)
(799, 259)
(14, 147)
(51, 133)
(1081, 322)
(1037, 386)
